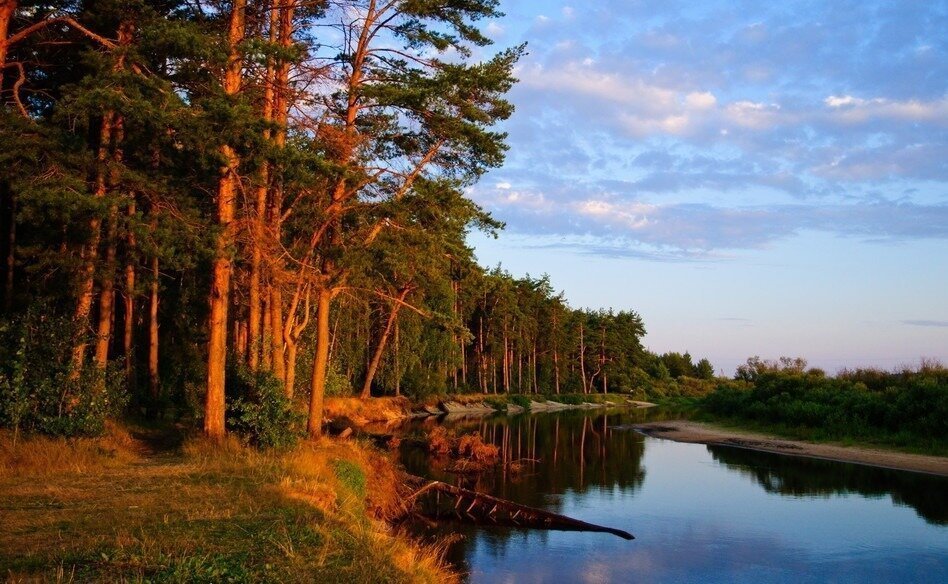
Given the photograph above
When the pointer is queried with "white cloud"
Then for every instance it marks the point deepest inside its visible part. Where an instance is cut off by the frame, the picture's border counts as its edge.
(700, 100)
(627, 215)
(855, 110)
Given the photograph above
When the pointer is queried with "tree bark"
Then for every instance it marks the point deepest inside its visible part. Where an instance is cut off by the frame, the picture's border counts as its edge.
(380, 348)
(222, 267)
(8, 208)
(276, 333)
(259, 221)
(128, 338)
(320, 364)
(90, 252)
(292, 332)
(582, 358)
(154, 386)
(7, 10)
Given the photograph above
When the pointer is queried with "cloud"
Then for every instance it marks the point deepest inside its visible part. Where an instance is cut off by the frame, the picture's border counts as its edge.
(928, 323)
(615, 219)
(689, 128)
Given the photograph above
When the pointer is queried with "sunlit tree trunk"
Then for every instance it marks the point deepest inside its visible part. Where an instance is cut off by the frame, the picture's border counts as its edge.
(90, 252)
(254, 317)
(320, 364)
(222, 266)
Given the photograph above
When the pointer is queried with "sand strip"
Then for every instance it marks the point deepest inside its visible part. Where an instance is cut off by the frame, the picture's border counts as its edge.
(700, 433)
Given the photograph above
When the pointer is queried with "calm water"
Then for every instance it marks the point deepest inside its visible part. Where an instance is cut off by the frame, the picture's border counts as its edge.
(699, 513)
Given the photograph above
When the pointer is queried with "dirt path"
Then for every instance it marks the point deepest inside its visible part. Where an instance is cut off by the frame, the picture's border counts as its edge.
(700, 433)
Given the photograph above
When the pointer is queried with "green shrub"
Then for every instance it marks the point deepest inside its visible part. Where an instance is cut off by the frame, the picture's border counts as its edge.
(39, 389)
(520, 400)
(569, 399)
(895, 407)
(337, 384)
(259, 410)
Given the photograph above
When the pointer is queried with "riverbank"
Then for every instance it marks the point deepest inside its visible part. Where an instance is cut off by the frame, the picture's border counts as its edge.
(343, 411)
(141, 504)
(704, 433)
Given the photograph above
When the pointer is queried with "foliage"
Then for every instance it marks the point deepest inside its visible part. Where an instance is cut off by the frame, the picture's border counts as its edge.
(902, 407)
(39, 390)
(520, 400)
(260, 411)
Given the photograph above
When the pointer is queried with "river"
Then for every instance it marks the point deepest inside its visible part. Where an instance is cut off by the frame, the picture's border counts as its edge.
(699, 513)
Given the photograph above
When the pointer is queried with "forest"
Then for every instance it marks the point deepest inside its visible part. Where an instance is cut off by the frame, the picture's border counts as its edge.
(206, 203)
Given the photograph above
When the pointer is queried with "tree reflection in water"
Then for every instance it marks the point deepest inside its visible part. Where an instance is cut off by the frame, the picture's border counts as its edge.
(798, 476)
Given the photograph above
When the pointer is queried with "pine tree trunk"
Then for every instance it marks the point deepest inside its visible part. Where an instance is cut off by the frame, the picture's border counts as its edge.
(154, 385)
(128, 338)
(107, 293)
(90, 252)
(8, 208)
(222, 267)
(266, 333)
(276, 336)
(582, 358)
(7, 11)
(380, 349)
(254, 323)
(320, 364)
(398, 371)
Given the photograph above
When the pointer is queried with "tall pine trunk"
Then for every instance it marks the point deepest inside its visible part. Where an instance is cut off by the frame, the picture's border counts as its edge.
(222, 267)
(154, 383)
(128, 337)
(90, 252)
(320, 364)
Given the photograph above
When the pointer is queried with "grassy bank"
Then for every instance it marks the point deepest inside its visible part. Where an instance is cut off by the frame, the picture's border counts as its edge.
(128, 508)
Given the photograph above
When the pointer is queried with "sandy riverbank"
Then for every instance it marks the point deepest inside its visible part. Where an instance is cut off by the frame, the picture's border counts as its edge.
(700, 433)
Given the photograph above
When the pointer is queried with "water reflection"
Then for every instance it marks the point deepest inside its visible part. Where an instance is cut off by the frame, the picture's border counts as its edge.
(795, 476)
(543, 456)
(699, 514)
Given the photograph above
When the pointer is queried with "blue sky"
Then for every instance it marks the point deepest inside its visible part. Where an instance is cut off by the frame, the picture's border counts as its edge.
(753, 178)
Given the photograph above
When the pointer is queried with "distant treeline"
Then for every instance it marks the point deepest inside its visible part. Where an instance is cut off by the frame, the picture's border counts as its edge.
(908, 407)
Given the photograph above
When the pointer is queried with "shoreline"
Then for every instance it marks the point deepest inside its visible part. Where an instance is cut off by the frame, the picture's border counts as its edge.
(703, 433)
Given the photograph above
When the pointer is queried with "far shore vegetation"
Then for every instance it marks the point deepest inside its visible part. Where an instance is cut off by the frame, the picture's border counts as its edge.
(906, 409)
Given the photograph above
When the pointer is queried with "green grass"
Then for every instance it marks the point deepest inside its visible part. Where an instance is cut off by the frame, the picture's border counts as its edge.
(209, 515)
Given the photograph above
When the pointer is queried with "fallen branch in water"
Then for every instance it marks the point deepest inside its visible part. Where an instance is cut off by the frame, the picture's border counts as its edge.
(482, 506)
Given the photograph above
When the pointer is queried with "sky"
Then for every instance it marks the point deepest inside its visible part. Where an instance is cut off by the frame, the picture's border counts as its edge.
(753, 178)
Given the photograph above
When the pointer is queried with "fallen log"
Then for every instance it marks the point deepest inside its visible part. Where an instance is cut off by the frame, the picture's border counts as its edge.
(480, 506)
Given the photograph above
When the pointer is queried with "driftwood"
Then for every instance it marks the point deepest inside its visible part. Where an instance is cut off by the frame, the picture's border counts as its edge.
(479, 506)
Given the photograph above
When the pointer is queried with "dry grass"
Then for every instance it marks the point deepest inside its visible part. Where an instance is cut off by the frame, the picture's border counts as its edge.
(361, 412)
(209, 513)
(43, 456)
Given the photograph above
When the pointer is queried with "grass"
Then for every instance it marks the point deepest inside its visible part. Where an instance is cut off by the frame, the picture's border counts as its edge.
(119, 512)
(906, 442)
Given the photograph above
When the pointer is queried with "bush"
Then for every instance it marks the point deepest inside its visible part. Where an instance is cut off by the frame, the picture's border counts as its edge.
(259, 410)
(869, 404)
(39, 388)
(569, 399)
(519, 400)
